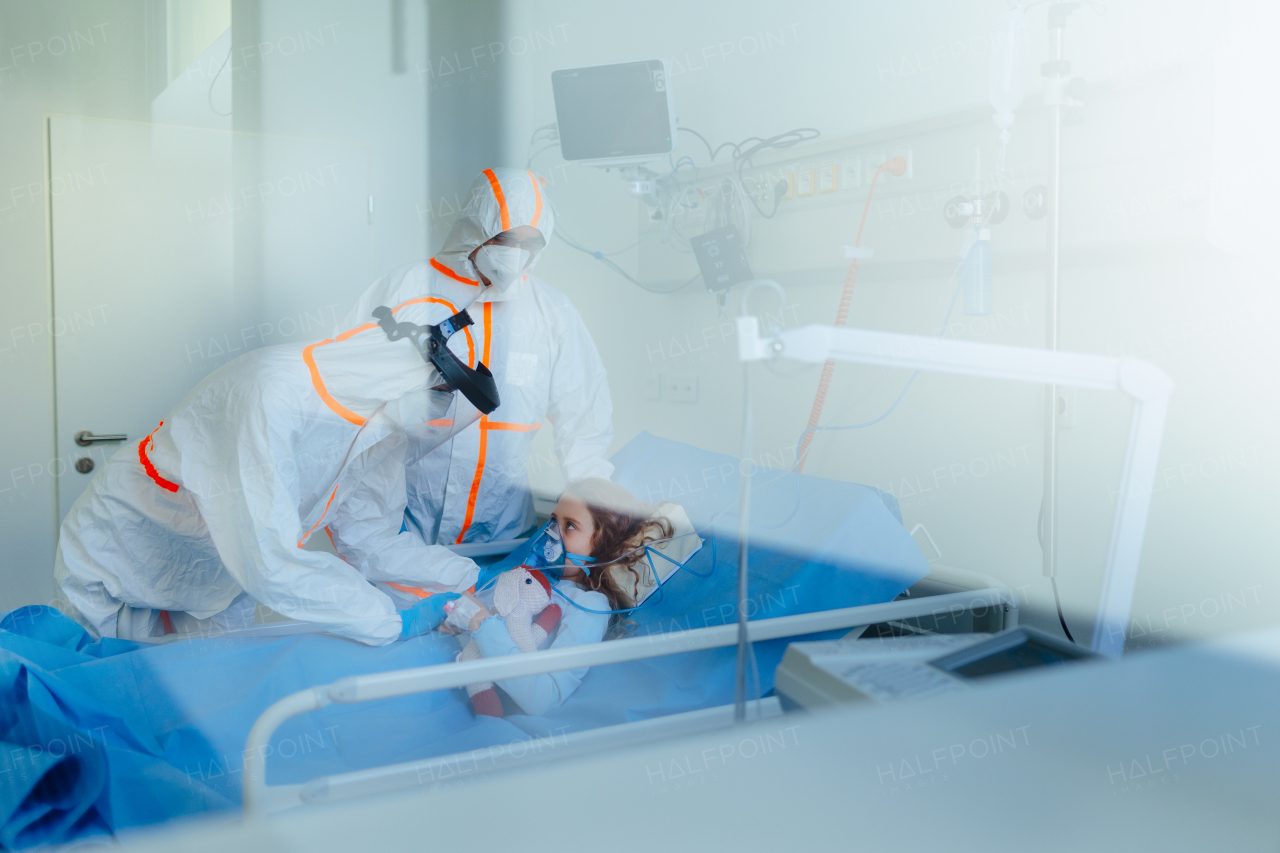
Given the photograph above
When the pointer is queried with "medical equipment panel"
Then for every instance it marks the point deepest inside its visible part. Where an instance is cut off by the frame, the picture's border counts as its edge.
(912, 667)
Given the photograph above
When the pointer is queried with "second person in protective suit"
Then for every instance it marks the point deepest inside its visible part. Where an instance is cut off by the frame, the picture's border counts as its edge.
(548, 372)
(189, 529)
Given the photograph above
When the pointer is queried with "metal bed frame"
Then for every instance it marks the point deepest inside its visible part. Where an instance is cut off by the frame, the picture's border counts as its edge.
(948, 600)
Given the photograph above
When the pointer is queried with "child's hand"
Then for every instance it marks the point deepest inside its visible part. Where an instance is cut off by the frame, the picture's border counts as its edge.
(480, 616)
(449, 626)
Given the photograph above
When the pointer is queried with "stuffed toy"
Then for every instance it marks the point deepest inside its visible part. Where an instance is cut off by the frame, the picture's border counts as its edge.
(522, 597)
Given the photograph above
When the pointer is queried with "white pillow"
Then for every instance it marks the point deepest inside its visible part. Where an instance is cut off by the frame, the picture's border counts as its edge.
(682, 545)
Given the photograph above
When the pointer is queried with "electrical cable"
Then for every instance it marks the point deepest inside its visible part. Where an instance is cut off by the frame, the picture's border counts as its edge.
(602, 257)
(551, 125)
(801, 455)
(533, 138)
(713, 152)
(711, 524)
(673, 177)
(842, 316)
(1053, 582)
(742, 153)
(731, 197)
(783, 140)
(213, 82)
(529, 163)
(1057, 603)
(703, 138)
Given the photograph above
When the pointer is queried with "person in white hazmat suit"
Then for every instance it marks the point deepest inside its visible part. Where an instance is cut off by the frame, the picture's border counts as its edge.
(189, 529)
(476, 487)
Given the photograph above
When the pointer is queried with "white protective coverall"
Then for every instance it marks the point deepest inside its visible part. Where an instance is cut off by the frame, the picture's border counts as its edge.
(209, 513)
(476, 488)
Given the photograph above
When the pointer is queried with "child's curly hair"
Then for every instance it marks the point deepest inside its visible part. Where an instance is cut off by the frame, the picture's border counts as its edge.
(622, 525)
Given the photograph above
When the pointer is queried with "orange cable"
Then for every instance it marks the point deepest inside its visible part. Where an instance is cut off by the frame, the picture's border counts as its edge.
(842, 316)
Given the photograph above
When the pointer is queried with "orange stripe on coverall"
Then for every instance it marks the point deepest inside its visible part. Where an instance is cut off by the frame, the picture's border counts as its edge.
(151, 469)
(502, 199)
(537, 202)
(318, 381)
(443, 270)
(485, 426)
(484, 419)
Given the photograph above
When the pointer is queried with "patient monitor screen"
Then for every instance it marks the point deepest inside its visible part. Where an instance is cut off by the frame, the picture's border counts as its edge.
(612, 110)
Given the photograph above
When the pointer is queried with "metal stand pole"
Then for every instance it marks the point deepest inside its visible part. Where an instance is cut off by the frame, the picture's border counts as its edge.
(744, 531)
(1057, 71)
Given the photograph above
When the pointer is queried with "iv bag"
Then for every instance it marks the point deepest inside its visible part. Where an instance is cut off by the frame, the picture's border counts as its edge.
(1008, 61)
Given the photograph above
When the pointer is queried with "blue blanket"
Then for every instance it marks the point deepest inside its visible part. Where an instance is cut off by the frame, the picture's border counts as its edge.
(98, 737)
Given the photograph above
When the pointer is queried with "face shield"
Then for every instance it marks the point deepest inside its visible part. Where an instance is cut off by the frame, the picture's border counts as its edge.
(428, 419)
(476, 385)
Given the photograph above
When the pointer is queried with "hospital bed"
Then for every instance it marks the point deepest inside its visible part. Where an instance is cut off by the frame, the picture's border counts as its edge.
(946, 600)
(942, 597)
(836, 588)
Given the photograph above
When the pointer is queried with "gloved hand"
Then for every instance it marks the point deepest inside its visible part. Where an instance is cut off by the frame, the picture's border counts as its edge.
(426, 615)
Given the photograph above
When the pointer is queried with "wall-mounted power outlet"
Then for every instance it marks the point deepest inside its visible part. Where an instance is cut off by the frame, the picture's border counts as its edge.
(680, 389)
(653, 386)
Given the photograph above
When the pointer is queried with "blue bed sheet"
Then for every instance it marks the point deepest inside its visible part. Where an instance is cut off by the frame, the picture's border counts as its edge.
(98, 737)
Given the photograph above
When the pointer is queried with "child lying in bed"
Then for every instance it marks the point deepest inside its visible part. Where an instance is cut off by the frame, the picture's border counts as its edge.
(598, 522)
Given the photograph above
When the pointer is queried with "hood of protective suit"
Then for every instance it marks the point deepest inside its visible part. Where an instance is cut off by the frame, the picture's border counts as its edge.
(500, 199)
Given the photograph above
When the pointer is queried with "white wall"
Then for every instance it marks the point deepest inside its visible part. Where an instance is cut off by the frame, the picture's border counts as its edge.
(323, 71)
(317, 72)
(1156, 265)
(84, 58)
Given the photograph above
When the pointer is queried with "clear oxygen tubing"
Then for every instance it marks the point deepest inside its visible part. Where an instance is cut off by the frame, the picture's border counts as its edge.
(897, 165)
(744, 513)
(655, 597)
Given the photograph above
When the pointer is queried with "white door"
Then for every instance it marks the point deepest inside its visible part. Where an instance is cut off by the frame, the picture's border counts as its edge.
(176, 250)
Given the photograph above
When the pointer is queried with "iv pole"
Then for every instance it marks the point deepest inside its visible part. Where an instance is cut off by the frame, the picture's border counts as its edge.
(1057, 71)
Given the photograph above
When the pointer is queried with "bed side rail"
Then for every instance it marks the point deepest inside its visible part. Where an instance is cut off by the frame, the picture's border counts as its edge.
(385, 685)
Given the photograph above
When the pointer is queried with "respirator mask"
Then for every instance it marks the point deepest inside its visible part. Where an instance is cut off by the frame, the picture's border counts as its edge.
(547, 553)
(502, 265)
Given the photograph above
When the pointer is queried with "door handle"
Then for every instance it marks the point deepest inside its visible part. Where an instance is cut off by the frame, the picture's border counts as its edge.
(85, 438)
